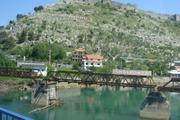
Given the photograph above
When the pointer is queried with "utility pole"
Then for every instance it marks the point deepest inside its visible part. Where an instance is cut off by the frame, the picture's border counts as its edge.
(50, 52)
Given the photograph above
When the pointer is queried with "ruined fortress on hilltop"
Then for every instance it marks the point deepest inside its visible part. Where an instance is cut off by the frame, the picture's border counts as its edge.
(86, 1)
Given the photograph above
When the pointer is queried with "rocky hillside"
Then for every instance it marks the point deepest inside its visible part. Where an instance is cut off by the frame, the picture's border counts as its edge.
(115, 30)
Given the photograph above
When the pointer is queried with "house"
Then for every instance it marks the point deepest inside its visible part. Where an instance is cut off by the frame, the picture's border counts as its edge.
(39, 68)
(92, 60)
(174, 74)
(175, 65)
(78, 54)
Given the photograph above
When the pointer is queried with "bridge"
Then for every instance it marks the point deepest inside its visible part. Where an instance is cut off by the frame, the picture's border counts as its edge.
(90, 78)
(17, 72)
(171, 86)
(87, 78)
(136, 80)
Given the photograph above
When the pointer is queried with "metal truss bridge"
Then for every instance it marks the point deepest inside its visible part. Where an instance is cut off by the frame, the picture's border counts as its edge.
(90, 78)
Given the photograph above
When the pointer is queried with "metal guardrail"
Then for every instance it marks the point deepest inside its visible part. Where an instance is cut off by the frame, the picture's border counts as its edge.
(9, 115)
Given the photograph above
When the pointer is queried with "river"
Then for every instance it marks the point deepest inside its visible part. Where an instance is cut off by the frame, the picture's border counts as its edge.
(88, 104)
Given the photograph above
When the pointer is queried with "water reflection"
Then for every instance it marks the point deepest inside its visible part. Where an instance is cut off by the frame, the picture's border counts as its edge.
(89, 104)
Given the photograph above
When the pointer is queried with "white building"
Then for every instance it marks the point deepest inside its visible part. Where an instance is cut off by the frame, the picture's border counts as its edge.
(39, 68)
(174, 74)
(92, 60)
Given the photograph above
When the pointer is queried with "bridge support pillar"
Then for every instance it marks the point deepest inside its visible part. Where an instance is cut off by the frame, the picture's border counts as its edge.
(155, 106)
(44, 95)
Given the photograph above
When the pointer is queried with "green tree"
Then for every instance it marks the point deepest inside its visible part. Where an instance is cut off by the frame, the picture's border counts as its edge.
(38, 8)
(31, 35)
(22, 37)
(58, 52)
(5, 62)
(40, 51)
(9, 43)
(6, 41)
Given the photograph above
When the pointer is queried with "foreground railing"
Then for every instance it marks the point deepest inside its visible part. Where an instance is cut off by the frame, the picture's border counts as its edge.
(9, 115)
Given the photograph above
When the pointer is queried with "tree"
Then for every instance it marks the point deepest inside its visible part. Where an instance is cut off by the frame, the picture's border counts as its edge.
(5, 62)
(31, 35)
(9, 43)
(6, 41)
(20, 16)
(22, 37)
(40, 51)
(38, 8)
(58, 52)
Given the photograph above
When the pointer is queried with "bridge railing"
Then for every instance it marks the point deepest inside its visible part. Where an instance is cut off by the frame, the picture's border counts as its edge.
(17, 72)
(9, 115)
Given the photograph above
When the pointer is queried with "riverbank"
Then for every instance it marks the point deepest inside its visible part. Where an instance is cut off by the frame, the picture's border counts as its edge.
(7, 83)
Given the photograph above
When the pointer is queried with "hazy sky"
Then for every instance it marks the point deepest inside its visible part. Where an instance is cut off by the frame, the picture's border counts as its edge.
(10, 8)
(161, 6)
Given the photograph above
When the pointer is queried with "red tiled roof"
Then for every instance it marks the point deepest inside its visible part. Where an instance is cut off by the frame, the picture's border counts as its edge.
(93, 57)
(177, 67)
(80, 50)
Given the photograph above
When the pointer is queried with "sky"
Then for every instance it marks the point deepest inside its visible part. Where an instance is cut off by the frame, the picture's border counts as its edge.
(10, 8)
(160, 6)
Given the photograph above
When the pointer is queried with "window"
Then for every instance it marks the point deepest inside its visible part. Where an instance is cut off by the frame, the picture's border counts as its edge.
(86, 63)
(91, 63)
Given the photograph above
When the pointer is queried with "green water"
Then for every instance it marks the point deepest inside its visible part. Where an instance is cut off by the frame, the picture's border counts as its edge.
(88, 104)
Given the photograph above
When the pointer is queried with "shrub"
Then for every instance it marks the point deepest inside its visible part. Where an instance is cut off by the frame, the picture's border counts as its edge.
(5, 62)
(38, 8)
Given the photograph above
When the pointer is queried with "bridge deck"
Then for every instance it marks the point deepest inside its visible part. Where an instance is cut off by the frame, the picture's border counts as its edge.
(89, 78)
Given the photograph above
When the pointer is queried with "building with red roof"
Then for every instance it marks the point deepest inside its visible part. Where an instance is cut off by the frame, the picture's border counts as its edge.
(78, 54)
(92, 60)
